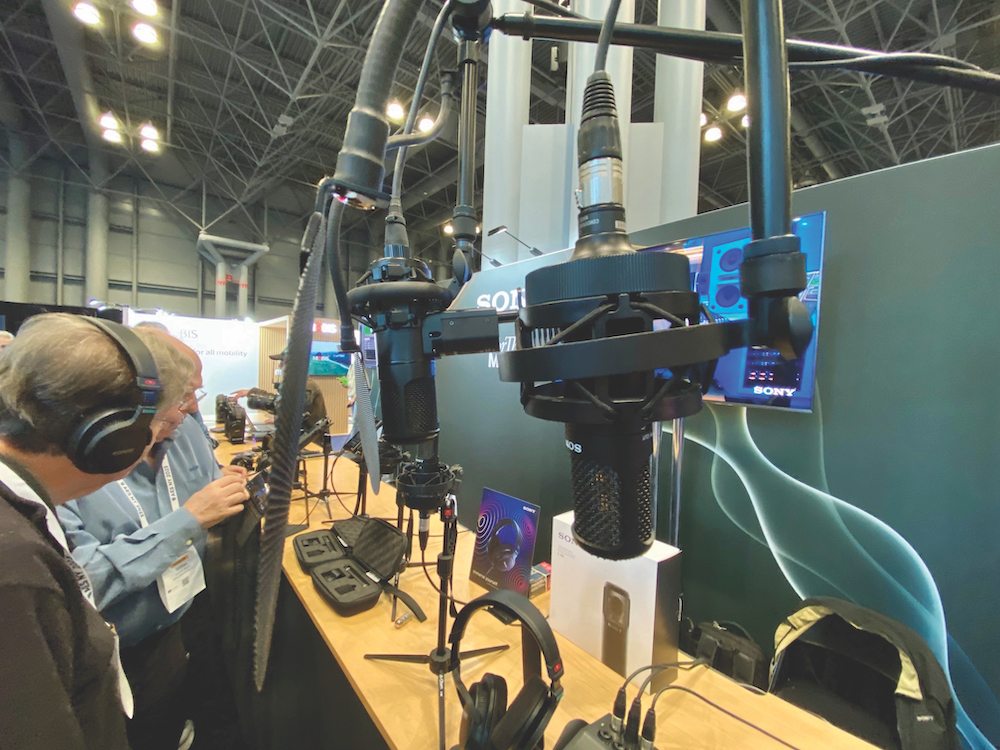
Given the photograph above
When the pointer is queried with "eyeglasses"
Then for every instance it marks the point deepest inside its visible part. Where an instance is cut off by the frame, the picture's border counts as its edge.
(195, 396)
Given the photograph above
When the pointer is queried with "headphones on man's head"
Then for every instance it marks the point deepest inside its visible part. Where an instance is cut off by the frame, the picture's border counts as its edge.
(488, 723)
(111, 440)
(500, 554)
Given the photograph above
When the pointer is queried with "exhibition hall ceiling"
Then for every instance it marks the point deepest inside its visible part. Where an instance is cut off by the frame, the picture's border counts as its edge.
(250, 97)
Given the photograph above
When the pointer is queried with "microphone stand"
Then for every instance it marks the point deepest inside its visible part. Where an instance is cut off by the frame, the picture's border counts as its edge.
(439, 659)
(307, 437)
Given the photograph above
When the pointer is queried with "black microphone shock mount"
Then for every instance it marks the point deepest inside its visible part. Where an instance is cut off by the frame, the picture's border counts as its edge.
(611, 342)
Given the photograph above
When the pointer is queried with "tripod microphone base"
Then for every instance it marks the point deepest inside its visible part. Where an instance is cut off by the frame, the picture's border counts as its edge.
(437, 660)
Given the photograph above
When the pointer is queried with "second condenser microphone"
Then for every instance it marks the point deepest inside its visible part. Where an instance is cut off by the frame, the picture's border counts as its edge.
(406, 377)
(613, 487)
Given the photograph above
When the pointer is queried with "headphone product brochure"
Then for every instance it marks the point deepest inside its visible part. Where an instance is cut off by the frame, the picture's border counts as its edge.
(505, 542)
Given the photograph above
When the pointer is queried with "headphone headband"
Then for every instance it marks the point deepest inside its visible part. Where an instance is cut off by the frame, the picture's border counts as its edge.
(138, 355)
(521, 609)
(111, 440)
(504, 523)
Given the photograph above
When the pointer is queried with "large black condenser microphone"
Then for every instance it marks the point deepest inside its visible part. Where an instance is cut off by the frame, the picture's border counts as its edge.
(611, 342)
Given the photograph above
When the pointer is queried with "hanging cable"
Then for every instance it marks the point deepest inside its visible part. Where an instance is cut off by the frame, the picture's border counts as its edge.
(418, 91)
(334, 214)
(604, 40)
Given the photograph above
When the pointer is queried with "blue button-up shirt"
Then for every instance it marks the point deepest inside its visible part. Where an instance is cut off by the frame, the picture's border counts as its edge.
(124, 559)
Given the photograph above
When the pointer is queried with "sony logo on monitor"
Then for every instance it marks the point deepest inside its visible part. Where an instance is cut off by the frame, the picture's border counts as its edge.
(766, 390)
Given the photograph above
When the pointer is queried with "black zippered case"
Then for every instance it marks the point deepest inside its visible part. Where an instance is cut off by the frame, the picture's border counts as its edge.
(352, 565)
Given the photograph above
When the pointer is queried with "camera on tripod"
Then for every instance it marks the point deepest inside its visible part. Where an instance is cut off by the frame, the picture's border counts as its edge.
(232, 416)
(261, 401)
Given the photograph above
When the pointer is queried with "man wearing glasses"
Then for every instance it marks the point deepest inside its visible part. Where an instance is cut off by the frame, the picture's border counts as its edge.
(142, 541)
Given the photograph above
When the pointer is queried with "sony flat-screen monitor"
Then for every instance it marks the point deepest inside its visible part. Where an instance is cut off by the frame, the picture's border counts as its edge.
(755, 377)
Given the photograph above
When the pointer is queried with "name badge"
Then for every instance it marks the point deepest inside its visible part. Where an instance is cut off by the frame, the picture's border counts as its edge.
(182, 581)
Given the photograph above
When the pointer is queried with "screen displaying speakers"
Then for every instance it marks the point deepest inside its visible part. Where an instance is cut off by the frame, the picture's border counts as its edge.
(757, 377)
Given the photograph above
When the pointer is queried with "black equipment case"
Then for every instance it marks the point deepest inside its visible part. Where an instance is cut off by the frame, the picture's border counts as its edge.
(352, 564)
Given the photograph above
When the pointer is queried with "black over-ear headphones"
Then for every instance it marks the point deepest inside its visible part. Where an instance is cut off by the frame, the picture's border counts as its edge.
(111, 440)
(500, 554)
(488, 723)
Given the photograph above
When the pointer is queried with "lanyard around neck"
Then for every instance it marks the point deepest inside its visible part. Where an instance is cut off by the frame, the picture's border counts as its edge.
(168, 477)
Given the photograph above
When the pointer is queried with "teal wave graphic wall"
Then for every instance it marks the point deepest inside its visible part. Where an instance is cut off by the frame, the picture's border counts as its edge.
(825, 546)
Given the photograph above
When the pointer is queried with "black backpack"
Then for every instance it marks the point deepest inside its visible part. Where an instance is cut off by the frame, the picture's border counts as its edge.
(865, 673)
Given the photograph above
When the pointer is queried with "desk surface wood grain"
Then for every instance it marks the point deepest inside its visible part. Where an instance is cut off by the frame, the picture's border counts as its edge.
(402, 698)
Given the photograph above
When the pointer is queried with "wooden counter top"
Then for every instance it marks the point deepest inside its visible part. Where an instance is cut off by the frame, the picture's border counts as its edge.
(402, 698)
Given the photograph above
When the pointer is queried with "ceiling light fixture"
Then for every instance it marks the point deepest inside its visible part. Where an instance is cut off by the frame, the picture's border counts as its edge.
(145, 33)
(149, 132)
(146, 7)
(112, 136)
(704, 119)
(109, 121)
(425, 124)
(395, 111)
(736, 103)
(87, 13)
(713, 134)
(745, 121)
(449, 229)
(148, 144)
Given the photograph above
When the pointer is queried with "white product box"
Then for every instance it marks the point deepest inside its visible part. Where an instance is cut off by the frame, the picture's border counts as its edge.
(624, 612)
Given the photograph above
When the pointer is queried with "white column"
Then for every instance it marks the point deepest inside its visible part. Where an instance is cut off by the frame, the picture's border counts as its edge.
(508, 85)
(242, 306)
(17, 264)
(221, 271)
(581, 66)
(96, 268)
(677, 104)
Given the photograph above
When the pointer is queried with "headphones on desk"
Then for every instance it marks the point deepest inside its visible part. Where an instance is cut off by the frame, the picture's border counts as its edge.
(500, 554)
(488, 723)
(110, 440)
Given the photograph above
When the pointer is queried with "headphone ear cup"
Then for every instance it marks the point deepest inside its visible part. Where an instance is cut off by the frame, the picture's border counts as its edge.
(508, 556)
(489, 697)
(109, 442)
(526, 717)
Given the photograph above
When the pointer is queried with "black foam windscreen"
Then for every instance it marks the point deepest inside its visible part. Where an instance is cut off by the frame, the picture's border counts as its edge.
(613, 504)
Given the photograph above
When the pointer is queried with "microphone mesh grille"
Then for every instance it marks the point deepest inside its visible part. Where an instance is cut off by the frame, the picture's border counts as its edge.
(421, 405)
(597, 502)
(644, 504)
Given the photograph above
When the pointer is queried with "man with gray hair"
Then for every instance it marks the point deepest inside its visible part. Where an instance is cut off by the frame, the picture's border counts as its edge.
(142, 542)
(6, 337)
(76, 412)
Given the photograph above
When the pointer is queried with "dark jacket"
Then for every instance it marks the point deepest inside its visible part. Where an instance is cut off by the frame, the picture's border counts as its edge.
(315, 404)
(58, 687)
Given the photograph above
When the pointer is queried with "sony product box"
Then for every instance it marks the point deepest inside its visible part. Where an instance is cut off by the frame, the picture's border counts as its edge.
(624, 612)
(541, 575)
(505, 543)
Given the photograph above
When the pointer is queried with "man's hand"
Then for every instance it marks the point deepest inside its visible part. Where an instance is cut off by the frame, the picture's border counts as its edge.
(235, 471)
(239, 394)
(218, 501)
